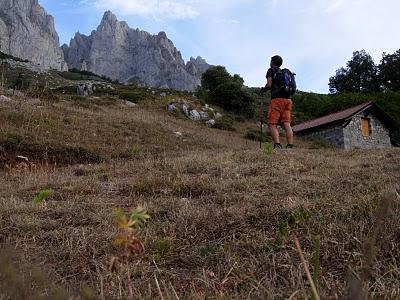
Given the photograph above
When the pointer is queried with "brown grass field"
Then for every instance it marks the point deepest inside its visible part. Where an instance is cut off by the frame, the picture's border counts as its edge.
(224, 214)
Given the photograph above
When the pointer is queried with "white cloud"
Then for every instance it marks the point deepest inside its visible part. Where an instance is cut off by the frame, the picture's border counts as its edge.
(167, 9)
(157, 9)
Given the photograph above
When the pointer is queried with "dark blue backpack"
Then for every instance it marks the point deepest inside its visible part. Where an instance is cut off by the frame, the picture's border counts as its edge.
(285, 82)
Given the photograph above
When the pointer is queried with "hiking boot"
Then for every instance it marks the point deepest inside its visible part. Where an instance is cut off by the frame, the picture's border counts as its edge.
(289, 146)
(278, 146)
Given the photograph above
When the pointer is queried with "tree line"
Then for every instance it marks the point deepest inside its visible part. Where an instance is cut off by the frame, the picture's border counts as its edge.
(363, 75)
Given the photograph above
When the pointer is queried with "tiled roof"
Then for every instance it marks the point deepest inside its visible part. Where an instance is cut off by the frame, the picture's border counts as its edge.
(335, 117)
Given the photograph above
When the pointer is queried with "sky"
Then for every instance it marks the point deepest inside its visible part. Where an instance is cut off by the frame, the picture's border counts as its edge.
(314, 37)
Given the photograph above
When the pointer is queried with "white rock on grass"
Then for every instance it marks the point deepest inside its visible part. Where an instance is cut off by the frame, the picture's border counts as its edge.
(130, 104)
(204, 115)
(210, 123)
(4, 99)
(195, 115)
(185, 110)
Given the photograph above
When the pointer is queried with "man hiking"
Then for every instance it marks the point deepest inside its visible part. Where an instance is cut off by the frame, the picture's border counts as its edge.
(280, 108)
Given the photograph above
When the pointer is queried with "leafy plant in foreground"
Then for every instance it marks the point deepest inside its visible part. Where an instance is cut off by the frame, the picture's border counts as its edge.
(127, 225)
(43, 196)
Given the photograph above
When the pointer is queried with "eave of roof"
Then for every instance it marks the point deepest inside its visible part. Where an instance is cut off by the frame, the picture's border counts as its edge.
(333, 118)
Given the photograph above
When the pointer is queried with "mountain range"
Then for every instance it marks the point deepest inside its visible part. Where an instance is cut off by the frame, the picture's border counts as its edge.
(113, 50)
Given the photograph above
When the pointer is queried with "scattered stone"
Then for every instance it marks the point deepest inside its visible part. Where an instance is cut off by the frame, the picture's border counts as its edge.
(84, 89)
(185, 110)
(163, 95)
(171, 107)
(218, 115)
(130, 104)
(5, 99)
(178, 134)
(194, 115)
(210, 123)
(204, 115)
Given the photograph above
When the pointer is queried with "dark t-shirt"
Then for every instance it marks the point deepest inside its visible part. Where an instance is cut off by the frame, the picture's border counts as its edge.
(275, 92)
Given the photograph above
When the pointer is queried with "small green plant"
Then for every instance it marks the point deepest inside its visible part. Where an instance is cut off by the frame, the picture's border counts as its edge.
(127, 225)
(293, 220)
(43, 196)
(136, 151)
(268, 148)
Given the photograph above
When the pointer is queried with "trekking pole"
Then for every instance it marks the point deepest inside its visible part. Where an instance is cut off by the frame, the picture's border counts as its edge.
(261, 131)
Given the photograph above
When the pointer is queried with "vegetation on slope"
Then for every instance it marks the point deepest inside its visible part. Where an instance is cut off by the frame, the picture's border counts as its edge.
(223, 213)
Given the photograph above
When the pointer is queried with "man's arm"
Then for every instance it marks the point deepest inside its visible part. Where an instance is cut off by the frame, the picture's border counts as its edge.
(267, 87)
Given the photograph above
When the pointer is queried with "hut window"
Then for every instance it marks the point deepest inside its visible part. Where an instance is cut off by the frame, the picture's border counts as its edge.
(366, 126)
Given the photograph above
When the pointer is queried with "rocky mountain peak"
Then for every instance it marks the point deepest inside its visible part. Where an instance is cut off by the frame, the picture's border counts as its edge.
(121, 53)
(28, 32)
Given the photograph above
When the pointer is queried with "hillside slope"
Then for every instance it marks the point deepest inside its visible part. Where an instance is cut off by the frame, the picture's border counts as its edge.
(224, 213)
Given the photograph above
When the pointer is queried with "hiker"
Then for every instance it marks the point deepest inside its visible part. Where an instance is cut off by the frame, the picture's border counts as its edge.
(19, 83)
(280, 108)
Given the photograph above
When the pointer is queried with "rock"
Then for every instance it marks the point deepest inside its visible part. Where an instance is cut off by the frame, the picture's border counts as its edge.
(194, 115)
(185, 110)
(4, 99)
(132, 56)
(178, 134)
(204, 115)
(163, 95)
(130, 104)
(171, 107)
(84, 89)
(210, 123)
(218, 115)
(28, 32)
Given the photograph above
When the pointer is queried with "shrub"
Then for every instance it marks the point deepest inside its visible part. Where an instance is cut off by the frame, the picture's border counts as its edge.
(224, 123)
(232, 97)
(256, 135)
(133, 96)
(214, 77)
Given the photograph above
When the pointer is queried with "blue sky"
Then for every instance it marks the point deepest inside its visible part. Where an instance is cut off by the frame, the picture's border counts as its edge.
(315, 37)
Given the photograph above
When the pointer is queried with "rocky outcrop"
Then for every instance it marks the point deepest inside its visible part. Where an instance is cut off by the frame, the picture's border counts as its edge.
(116, 51)
(28, 32)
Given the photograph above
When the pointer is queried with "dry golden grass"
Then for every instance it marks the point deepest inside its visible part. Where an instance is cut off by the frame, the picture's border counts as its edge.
(224, 213)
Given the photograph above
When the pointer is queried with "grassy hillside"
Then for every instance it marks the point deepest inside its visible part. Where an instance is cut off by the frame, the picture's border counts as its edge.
(224, 214)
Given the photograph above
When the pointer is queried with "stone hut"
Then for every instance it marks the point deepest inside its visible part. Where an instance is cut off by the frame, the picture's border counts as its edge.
(364, 126)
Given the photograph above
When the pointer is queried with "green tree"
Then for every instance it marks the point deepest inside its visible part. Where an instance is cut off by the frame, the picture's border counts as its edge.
(360, 75)
(390, 71)
(238, 79)
(215, 76)
(232, 97)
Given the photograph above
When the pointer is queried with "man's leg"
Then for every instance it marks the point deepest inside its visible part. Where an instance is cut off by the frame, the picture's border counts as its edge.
(274, 133)
(289, 133)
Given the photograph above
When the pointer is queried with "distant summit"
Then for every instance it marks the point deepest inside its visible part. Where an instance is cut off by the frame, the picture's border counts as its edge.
(28, 32)
(130, 55)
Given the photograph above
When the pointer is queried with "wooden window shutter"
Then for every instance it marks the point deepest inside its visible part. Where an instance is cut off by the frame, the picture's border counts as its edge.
(366, 126)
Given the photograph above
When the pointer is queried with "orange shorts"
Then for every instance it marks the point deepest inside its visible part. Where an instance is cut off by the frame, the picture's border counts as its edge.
(280, 111)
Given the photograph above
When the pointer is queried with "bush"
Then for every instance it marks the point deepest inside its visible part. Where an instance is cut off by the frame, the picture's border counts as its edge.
(232, 97)
(134, 96)
(256, 135)
(214, 77)
(226, 91)
(224, 123)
